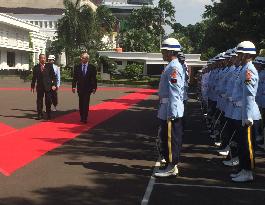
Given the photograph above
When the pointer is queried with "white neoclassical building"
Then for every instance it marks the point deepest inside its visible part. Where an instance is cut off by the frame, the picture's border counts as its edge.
(38, 18)
(18, 41)
(43, 15)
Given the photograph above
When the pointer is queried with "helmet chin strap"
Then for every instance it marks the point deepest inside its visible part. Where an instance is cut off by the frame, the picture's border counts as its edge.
(173, 53)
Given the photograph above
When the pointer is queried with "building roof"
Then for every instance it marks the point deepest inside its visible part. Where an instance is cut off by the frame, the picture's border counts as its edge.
(10, 20)
(50, 7)
(24, 10)
(97, 2)
(151, 58)
(135, 2)
(44, 4)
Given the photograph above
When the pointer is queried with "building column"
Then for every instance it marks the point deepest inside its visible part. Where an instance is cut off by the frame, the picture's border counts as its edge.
(62, 59)
(54, 24)
(3, 63)
(145, 69)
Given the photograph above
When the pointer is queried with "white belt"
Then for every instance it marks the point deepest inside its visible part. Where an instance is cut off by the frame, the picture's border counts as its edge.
(238, 104)
(164, 100)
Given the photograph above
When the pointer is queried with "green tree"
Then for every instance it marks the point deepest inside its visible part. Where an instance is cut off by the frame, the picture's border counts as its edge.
(144, 27)
(81, 29)
(138, 40)
(166, 12)
(134, 71)
(105, 19)
(225, 24)
(233, 21)
(190, 37)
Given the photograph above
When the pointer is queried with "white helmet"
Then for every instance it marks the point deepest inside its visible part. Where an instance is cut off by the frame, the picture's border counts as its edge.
(215, 58)
(171, 44)
(246, 47)
(262, 60)
(51, 57)
(259, 60)
(228, 53)
(233, 52)
(221, 56)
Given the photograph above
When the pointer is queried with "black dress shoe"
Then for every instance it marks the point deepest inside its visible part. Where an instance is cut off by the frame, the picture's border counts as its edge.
(39, 117)
(83, 120)
(49, 117)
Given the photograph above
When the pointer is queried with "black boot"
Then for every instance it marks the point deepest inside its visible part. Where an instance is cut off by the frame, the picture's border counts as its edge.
(40, 116)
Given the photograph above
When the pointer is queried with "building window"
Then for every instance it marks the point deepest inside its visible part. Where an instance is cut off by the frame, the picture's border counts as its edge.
(41, 24)
(134, 62)
(46, 24)
(50, 24)
(119, 62)
(31, 22)
(11, 59)
(36, 23)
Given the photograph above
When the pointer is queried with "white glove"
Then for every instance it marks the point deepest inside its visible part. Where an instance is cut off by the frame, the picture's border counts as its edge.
(230, 99)
(171, 118)
(238, 103)
(248, 122)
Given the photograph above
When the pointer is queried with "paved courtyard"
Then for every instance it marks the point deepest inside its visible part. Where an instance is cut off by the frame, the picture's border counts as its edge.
(111, 159)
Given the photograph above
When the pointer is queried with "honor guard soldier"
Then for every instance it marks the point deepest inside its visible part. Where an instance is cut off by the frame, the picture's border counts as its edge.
(171, 109)
(249, 80)
(259, 64)
(54, 93)
(261, 60)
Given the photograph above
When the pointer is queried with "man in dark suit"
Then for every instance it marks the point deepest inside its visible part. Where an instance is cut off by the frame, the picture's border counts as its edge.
(84, 78)
(44, 75)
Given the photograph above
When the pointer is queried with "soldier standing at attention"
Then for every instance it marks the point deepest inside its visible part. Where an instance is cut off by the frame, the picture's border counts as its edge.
(249, 80)
(171, 110)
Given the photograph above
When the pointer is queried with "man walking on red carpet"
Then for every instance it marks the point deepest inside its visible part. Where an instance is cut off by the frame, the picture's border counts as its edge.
(85, 80)
(44, 75)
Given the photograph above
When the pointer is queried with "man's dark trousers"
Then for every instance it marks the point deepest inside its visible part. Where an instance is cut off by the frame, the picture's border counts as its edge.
(40, 94)
(86, 83)
(84, 99)
(54, 97)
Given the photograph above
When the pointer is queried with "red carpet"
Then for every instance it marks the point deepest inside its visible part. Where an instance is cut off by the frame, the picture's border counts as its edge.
(67, 89)
(5, 129)
(23, 146)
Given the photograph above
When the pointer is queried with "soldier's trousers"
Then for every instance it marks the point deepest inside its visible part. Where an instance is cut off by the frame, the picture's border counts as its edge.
(228, 132)
(54, 97)
(262, 112)
(171, 139)
(246, 148)
(211, 107)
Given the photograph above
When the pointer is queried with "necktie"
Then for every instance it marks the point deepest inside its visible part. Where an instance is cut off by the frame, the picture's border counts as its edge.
(84, 69)
(42, 67)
